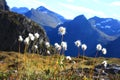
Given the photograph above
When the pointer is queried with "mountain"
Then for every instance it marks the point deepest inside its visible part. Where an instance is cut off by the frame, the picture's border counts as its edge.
(109, 26)
(80, 29)
(21, 10)
(12, 25)
(91, 32)
(113, 48)
(3, 5)
(45, 17)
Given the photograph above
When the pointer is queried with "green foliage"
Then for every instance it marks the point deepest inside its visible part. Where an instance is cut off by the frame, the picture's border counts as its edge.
(4, 75)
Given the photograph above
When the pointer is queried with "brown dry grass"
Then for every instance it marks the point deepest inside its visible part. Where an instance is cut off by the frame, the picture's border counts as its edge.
(34, 63)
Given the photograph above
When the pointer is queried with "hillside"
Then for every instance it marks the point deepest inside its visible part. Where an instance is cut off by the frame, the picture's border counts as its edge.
(12, 25)
(33, 66)
(114, 48)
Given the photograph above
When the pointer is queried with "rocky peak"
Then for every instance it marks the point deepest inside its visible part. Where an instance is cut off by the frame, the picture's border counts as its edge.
(42, 8)
(12, 25)
(45, 17)
(3, 5)
(20, 10)
(80, 18)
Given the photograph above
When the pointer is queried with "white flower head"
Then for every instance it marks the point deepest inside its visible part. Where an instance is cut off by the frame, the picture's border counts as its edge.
(104, 51)
(84, 47)
(68, 58)
(20, 39)
(99, 47)
(64, 45)
(74, 62)
(36, 47)
(61, 62)
(78, 43)
(31, 37)
(30, 34)
(47, 44)
(48, 52)
(104, 63)
(102, 79)
(26, 41)
(62, 30)
(36, 35)
(57, 46)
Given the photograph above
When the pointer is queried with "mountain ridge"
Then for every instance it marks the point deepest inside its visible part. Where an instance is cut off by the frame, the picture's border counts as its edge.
(45, 17)
(109, 26)
(20, 10)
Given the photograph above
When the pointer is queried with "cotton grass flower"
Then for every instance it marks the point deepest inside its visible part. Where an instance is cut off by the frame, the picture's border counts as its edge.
(48, 52)
(74, 62)
(47, 44)
(36, 35)
(104, 63)
(35, 46)
(64, 45)
(99, 47)
(26, 41)
(31, 36)
(62, 30)
(61, 62)
(57, 46)
(104, 51)
(68, 58)
(20, 39)
(78, 43)
(84, 47)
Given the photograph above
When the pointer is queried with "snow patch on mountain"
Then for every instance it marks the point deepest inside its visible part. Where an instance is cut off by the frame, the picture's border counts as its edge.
(107, 26)
(107, 20)
(98, 24)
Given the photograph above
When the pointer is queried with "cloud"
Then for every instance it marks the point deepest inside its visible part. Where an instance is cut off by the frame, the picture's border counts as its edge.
(116, 3)
(25, 3)
(70, 0)
(116, 16)
(96, 1)
(83, 10)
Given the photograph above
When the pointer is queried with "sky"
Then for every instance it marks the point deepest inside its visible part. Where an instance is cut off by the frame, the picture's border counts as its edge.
(72, 8)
